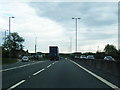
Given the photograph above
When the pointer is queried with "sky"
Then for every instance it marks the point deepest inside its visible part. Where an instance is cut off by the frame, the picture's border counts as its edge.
(52, 24)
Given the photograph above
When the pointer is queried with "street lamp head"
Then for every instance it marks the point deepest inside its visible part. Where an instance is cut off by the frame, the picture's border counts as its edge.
(76, 18)
(12, 17)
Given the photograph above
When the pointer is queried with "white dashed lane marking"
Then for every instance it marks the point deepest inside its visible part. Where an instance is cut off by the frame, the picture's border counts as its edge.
(48, 66)
(16, 85)
(39, 71)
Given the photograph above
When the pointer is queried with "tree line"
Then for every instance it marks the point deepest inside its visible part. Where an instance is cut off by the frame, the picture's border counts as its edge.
(14, 43)
(11, 45)
(109, 50)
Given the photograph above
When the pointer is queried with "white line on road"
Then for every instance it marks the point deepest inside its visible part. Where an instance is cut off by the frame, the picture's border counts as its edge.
(48, 66)
(16, 85)
(98, 77)
(43, 69)
(39, 71)
(18, 67)
(12, 87)
(56, 61)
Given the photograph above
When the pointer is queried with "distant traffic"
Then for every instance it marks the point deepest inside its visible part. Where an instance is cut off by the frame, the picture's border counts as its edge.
(109, 58)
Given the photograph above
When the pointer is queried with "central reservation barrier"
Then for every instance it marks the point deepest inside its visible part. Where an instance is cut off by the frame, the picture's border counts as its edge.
(111, 67)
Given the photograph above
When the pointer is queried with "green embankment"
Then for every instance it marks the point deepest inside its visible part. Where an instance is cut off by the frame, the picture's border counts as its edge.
(9, 60)
(39, 59)
(13, 60)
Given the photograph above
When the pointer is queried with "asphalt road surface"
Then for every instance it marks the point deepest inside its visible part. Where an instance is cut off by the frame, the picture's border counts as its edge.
(64, 73)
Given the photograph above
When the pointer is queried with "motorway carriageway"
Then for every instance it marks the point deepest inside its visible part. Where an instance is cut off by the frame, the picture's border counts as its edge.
(64, 73)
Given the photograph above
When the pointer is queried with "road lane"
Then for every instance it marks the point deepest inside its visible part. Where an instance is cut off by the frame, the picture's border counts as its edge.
(11, 77)
(63, 74)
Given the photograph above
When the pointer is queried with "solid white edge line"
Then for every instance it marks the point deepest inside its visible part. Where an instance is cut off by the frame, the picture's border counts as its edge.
(14, 67)
(16, 85)
(39, 71)
(98, 77)
(18, 67)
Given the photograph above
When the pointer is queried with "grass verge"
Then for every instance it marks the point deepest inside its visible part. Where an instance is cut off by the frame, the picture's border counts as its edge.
(39, 59)
(8, 60)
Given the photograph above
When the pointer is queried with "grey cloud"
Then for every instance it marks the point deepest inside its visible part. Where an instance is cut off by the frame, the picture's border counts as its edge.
(92, 14)
(100, 36)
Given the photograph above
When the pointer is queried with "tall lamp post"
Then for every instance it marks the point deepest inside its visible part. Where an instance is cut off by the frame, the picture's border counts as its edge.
(10, 31)
(5, 36)
(76, 30)
(35, 44)
(70, 45)
(10, 24)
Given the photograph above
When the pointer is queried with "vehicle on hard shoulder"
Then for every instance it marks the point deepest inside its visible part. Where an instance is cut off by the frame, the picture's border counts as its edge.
(53, 53)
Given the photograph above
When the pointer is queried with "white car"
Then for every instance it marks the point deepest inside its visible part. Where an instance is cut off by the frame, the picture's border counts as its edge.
(109, 58)
(83, 57)
(25, 58)
(76, 56)
(90, 57)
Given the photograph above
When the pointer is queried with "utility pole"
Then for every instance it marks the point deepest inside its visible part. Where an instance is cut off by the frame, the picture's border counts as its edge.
(70, 45)
(76, 31)
(10, 32)
(35, 44)
(5, 36)
(10, 24)
(98, 48)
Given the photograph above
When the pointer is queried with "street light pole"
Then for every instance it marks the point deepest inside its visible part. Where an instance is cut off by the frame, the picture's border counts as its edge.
(10, 31)
(76, 30)
(5, 36)
(70, 45)
(98, 48)
(10, 24)
(35, 44)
